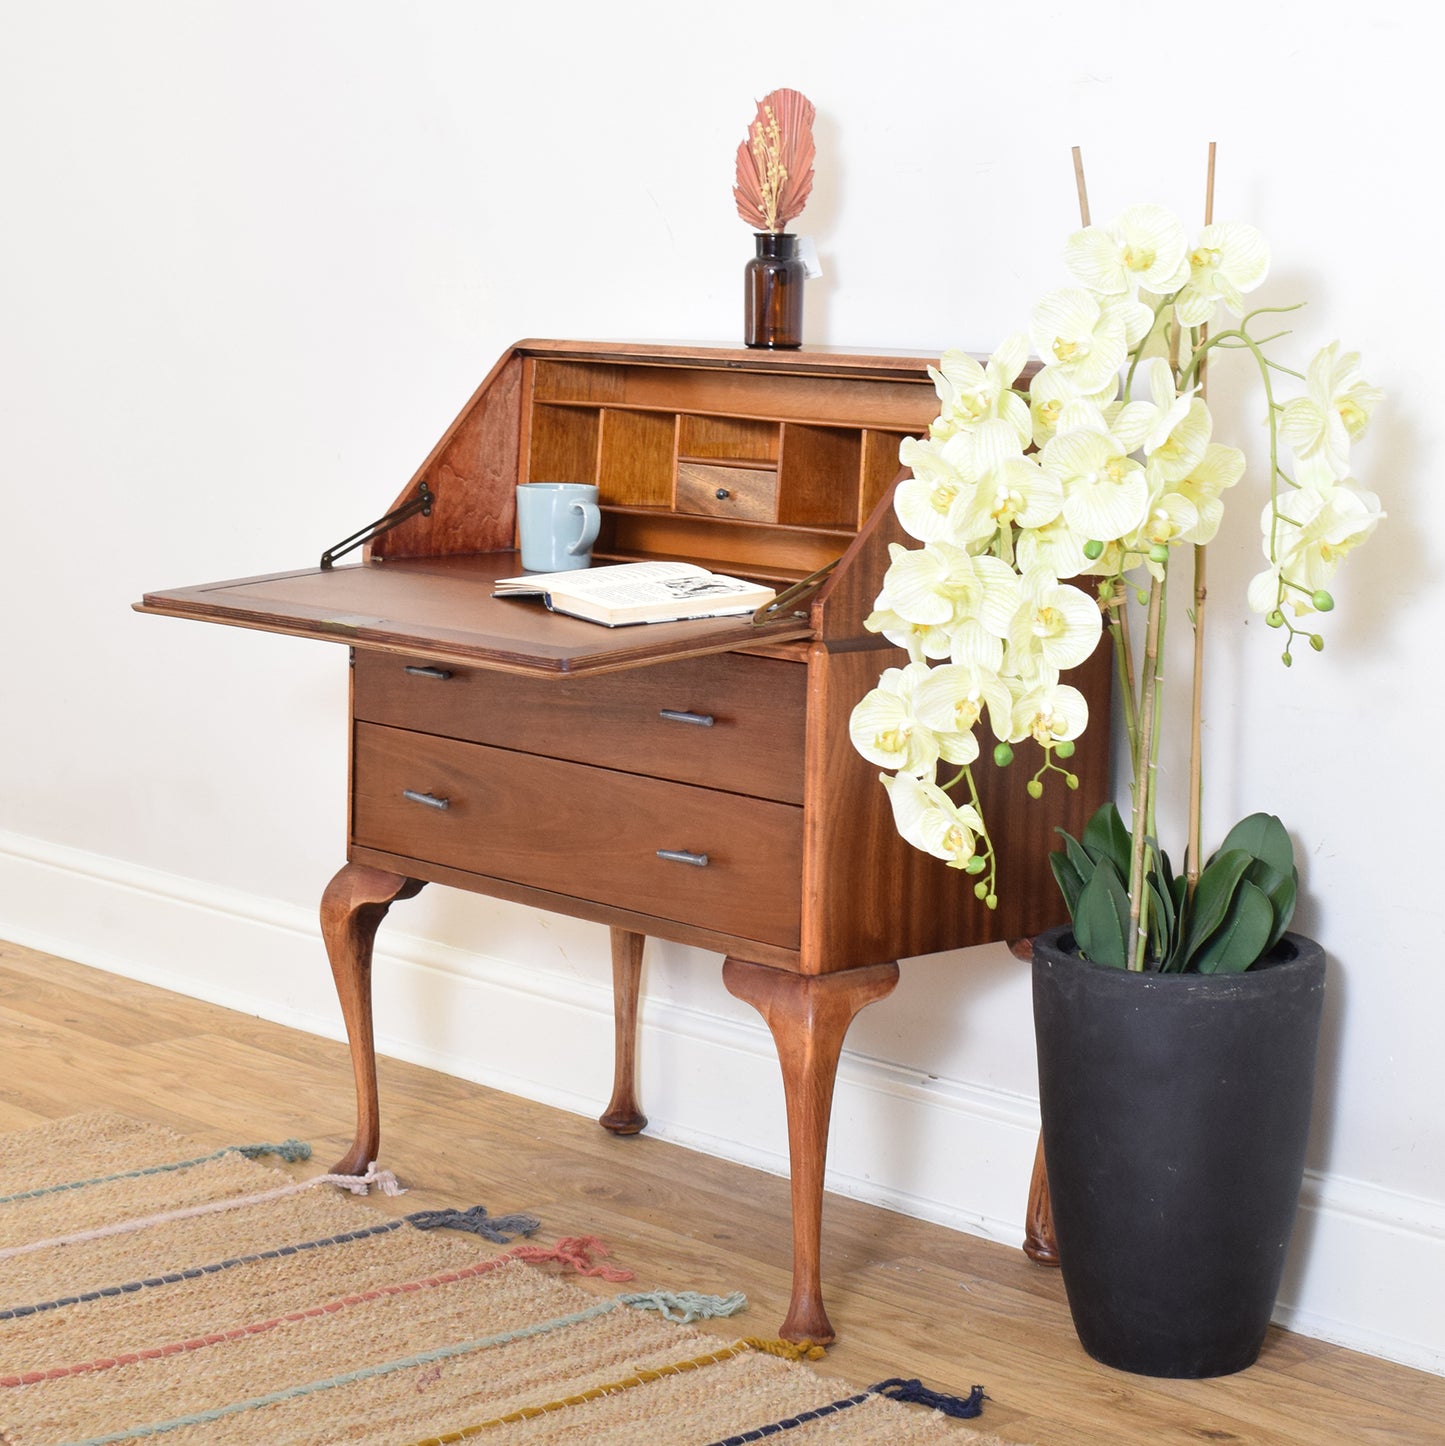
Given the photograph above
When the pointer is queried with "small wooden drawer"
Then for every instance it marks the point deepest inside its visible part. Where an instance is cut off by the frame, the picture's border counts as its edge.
(714, 860)
(726, 721)
(718, 489)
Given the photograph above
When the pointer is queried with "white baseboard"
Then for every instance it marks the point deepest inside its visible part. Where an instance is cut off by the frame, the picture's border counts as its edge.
(1367, 1267)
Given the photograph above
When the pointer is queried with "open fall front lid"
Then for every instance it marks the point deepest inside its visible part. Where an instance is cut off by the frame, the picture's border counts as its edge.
(443, 607)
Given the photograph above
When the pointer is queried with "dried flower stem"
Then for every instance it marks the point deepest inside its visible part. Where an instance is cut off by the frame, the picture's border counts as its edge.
(767, 143)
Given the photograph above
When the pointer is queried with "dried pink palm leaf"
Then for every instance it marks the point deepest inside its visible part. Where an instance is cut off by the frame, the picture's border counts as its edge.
(775, 163)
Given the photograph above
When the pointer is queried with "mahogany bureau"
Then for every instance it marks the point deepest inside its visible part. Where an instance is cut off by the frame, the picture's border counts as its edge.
(692, 781)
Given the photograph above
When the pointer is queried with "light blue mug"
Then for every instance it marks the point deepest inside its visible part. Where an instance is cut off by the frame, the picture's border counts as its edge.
(557, 524)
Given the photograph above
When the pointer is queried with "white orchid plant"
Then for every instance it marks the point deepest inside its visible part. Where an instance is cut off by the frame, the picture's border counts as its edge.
(1050, 513)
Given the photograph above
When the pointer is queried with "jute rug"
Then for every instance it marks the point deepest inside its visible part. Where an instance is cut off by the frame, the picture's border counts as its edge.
(148, 1289)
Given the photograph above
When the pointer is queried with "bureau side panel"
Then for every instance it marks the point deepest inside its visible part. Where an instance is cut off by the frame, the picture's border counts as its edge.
(474, 472)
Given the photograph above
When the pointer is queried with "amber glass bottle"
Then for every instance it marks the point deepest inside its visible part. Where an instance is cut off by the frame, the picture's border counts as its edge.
(773, 292)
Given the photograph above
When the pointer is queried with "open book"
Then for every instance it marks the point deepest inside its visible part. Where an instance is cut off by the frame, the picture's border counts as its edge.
(639, 592)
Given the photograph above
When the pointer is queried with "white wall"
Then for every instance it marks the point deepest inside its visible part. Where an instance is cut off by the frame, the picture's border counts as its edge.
(256, 255)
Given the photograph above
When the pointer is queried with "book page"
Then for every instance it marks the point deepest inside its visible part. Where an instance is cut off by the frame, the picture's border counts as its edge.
(618, 592)
(598, 581)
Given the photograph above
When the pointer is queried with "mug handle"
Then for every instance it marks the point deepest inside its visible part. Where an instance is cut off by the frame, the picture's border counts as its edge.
(591, 523)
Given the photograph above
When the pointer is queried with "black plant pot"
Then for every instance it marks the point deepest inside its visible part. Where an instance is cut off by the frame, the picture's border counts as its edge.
(1176, 1110)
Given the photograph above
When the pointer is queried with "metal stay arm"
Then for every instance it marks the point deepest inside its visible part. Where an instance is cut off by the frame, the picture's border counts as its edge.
(422, 503)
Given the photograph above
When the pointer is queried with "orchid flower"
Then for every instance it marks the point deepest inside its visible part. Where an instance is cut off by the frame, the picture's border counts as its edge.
(1335, 411)
(1229, 259)
(884, 729)
(927, 818)
(1306, 538)
(1144, 248)
(970, 393)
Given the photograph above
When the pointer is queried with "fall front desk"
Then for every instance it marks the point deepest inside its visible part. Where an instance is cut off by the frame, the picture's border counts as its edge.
(692, 781)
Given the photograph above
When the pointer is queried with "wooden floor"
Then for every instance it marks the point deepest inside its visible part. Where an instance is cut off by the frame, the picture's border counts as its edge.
(907, 1298)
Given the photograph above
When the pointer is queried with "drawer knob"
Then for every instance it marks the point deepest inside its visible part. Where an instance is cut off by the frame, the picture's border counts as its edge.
(674, 715)
(681, 856)
(440, 673)
(430, 800)
(722, 494)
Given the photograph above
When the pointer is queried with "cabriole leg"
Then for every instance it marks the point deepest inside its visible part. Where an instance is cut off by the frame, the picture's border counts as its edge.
(808, 1016)
(1039, 1222)
(354, 904)
(623, 1115)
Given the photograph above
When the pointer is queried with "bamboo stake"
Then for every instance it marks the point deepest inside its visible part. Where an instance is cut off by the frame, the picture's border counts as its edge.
(1079, 182)
(1194, 855)
(1115, 606)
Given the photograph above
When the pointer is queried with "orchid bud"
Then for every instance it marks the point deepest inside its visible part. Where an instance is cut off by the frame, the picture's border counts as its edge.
(1003, 755)
(974, 865)
(1274, 619)
(1093, 550)
(1317, 642)
(1286, 660)
(1159, 552)
(991, 902)
(1036, 789)
(980, 890)
(1071, 780)
(1321, 601)
(1064, 749)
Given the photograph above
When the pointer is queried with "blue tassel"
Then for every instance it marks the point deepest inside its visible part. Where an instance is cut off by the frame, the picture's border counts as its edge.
(685, 1306)
(919, 1394)
(476, 1221)
(289, 1150)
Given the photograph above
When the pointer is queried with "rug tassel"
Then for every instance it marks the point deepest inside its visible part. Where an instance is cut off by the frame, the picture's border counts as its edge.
(476, 1221)
(786, 1350)
(575, 1252)
(289, 1150)
(915, 1391)
(685, 1306)
(384, 1181)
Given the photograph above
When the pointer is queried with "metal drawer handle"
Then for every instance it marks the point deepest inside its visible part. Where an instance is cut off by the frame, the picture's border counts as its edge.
(681, 856)
(429, 799)
(441, 673)
(673, 715)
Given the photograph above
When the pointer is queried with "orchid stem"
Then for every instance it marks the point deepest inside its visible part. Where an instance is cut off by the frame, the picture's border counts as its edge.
(1146, 762)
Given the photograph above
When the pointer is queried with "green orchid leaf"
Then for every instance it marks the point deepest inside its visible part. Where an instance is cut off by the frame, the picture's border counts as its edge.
(1079, 856)
(1243, 937)
(1163, 914)
(1281, 893)
(1161, 924)
(1068, 880)
(1161, 862)
(1105, 837)
(1213, 898)
(1101, 922)
(1266, 838)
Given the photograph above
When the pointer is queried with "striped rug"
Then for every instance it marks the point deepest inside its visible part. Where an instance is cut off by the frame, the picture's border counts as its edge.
(149, 1289)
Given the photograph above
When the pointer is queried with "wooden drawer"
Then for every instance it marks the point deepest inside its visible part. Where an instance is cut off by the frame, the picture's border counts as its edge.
(591, 833)
(649, 720)
(717, 489)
